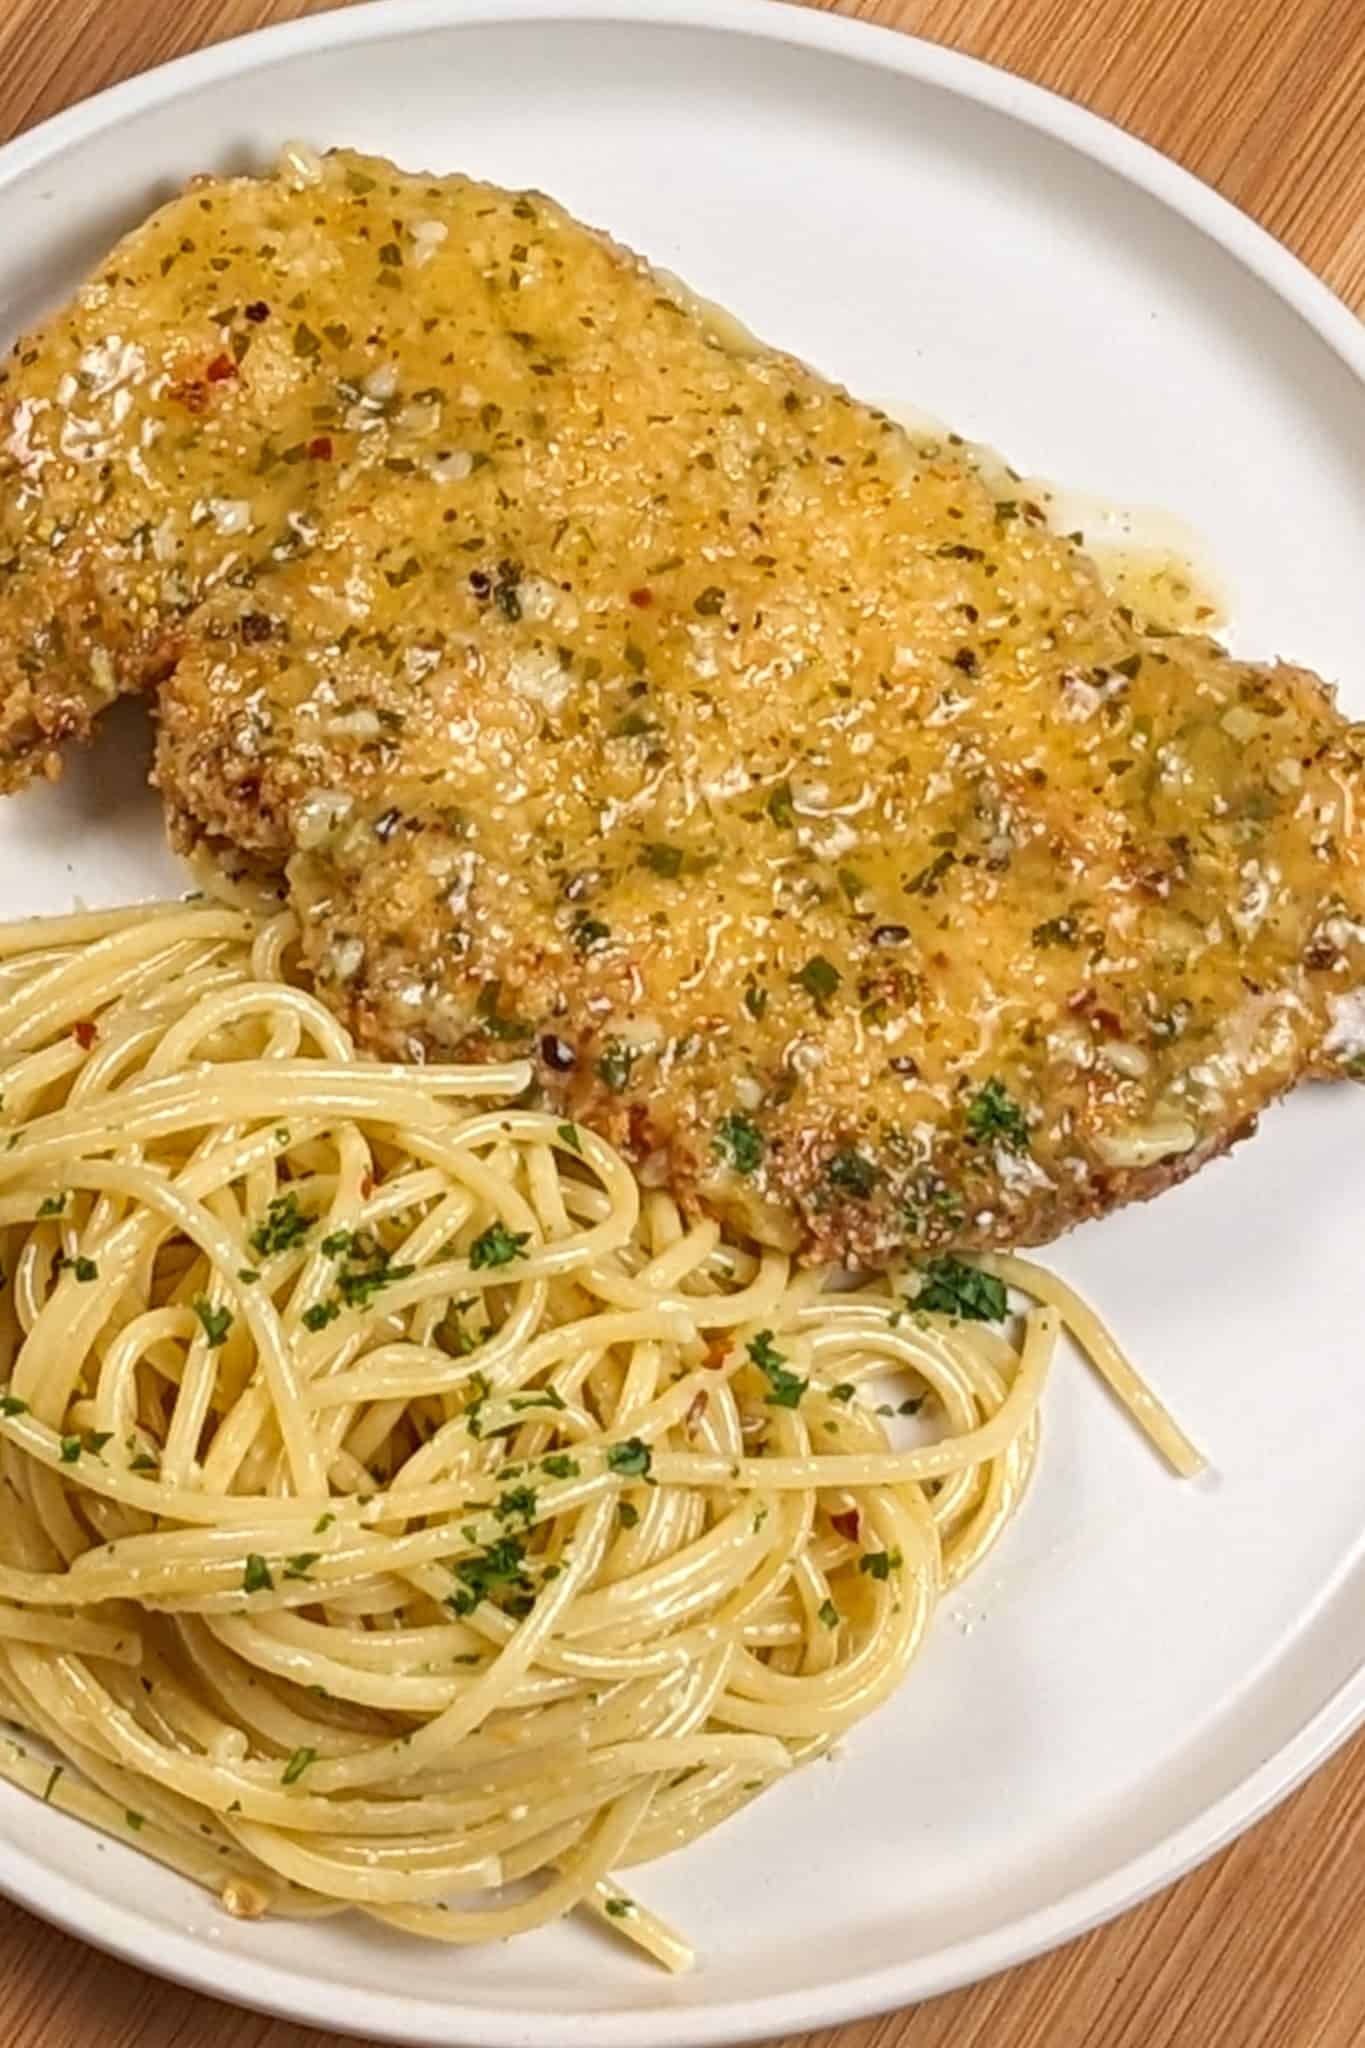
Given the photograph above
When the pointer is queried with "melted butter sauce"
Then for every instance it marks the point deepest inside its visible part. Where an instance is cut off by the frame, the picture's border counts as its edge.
(1148, 559)
(1152, 561)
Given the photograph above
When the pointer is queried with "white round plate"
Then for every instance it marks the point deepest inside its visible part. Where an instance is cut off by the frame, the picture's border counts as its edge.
(1143, 1667)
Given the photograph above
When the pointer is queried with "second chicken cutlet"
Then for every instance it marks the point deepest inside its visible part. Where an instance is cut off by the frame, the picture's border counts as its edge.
(610, 689)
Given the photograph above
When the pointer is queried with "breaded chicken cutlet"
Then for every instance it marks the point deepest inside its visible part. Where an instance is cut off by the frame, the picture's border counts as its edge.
(605, 688)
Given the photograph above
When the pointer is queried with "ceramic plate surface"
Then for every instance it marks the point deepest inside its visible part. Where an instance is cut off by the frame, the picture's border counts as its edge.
(1142, 1667)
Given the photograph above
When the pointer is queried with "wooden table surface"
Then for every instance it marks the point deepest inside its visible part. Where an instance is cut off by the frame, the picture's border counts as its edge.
(1261, 1948)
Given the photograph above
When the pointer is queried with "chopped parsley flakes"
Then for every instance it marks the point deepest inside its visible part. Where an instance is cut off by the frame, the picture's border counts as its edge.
(779, 805)
(497, 1569)
(498, 1246)
(994, 1117)
(256, 1574)
(285, 1225)
(740, 1142)
(518, 1502)
(216, 1321)
(852, 1173)
(785, 1388)
(819, 978)
(953, 1288)
(366, 1271)
(614, 1067)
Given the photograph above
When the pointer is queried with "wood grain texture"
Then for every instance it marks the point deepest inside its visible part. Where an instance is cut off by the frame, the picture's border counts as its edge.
(1261, 1948)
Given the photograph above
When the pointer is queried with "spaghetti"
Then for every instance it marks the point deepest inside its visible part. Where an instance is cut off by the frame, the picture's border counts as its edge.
(406, 1511)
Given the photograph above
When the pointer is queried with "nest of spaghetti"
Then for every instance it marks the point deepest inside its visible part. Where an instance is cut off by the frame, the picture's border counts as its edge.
(407, 1512)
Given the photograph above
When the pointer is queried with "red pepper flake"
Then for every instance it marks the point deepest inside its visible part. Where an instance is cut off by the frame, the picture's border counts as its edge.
(257, 311)
(193, 396)
(696, 1411)
(642, 599)
(220, 369)
(717, 1351)
(320, 448)
(642, 1139)
(366, 1187)
(847, 1524)
(83, 1031)
(1105, 1023)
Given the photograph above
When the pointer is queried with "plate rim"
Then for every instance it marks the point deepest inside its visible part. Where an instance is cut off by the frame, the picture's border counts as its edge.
(393, 2016)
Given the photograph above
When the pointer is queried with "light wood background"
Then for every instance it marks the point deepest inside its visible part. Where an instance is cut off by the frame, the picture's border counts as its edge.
(1264, 1947)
